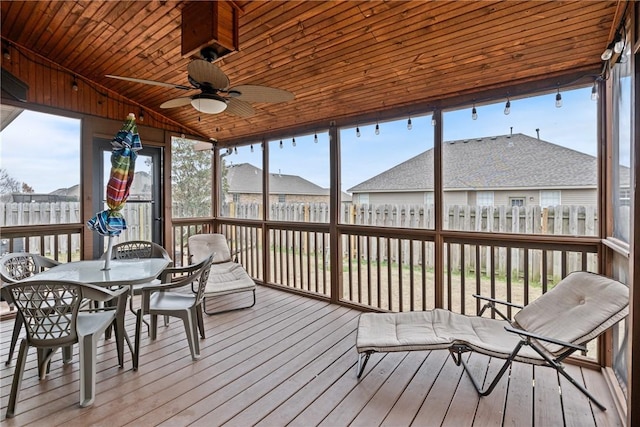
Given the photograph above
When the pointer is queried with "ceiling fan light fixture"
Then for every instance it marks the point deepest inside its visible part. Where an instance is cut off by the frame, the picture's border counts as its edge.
(208, 103)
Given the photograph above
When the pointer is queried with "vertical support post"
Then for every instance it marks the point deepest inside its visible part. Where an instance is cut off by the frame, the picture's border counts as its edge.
(335, 254)
(438, 199)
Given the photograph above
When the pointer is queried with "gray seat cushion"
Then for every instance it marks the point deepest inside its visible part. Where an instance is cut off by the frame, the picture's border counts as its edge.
(437, 329)
(227, 278)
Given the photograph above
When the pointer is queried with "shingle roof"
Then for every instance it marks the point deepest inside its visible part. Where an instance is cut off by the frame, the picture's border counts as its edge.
(500, 162)
(246, 178)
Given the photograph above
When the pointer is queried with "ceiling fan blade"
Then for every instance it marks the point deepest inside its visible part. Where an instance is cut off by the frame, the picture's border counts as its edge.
(177, 102)
(256, 93)
(239, 108)
(202, 146)
(149, 82)
(206, 72)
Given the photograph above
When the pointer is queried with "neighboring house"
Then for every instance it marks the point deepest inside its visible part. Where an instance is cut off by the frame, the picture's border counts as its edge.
(511, 170)
(244, 185)
(141, 186)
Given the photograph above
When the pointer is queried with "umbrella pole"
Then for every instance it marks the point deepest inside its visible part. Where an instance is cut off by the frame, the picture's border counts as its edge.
(107, 261)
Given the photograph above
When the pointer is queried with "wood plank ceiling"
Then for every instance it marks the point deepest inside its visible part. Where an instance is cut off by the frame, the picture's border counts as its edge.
(343, 60)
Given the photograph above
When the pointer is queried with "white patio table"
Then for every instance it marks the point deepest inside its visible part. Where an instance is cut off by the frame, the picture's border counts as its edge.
(127, 272)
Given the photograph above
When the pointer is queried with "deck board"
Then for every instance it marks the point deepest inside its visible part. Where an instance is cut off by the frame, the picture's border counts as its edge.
(290, 360)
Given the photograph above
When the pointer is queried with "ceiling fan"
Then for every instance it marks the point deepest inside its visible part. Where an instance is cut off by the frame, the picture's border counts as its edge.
(215, 94)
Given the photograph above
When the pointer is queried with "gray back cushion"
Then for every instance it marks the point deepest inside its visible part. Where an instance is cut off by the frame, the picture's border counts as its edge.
(579, 308)
(201, 246)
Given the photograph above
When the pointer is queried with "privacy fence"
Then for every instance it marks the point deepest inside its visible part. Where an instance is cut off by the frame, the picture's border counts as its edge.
(555, 220)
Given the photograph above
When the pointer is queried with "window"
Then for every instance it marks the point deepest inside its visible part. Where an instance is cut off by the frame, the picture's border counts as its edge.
(389, 168)
(428, 198)
(190, 179)
(484, 198)
(622, 143)
(535, 156)
(549, 198)
(516, 201)
(241, 180)
(620, 197)
(40, 173)
(299, 178)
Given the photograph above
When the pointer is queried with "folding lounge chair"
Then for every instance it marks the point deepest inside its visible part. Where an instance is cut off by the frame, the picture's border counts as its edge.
(226, 276)
(578, 309)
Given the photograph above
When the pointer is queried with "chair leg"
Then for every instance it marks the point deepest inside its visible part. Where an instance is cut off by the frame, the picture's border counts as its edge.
(44, 361)
(557, 365)
(17, 379)
(495, 381)
(211, 313)
(119, 333)
(17, 326)
(200, 321)
(190, 329)
(361, 363)
(67, 354)
(153, 327)
(88, 350)
(580, 387)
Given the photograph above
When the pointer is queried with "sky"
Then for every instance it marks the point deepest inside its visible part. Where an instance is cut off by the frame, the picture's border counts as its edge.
(42, 150)
(573, 126)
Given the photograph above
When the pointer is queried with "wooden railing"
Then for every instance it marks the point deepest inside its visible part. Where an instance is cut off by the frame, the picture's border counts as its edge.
(393, 269)
(387, 269)
(62, 242)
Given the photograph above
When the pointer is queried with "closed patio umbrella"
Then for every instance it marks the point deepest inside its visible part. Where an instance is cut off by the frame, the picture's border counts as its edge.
(111, 222)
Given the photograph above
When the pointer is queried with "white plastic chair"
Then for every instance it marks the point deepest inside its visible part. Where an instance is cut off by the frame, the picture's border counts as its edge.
(14, 267)
(163, 300)
(52, 318)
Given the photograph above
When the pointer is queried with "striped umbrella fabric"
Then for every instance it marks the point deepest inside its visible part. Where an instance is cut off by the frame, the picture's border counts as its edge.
(126, 143)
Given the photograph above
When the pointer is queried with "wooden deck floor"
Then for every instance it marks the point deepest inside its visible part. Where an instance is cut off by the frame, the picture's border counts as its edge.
(291, 360)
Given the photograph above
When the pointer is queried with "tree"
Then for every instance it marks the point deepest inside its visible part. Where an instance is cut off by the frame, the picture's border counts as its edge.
(190, 180)
(26, 188)
(8, 184)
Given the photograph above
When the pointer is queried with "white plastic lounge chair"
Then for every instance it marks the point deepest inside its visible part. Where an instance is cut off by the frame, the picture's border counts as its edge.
(226, 276)
(578, 309)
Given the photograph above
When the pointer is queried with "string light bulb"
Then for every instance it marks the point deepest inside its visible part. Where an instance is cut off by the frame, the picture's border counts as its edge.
(315, 138)
(141, 116)
(433, 119)
(558, 99)
(618, 45)
(409, 125)
(6, 54)
(594, 91)
(235, 150)
(357, 131)
(507, 107)
(474, 112)
(608, 53)
(377, 129)
(74, 85)
(252, 148)
(293, 141)
(281, 144)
